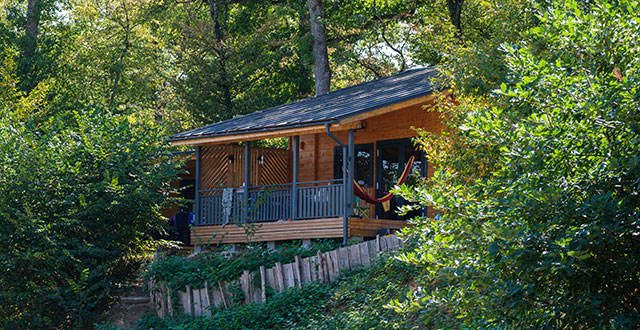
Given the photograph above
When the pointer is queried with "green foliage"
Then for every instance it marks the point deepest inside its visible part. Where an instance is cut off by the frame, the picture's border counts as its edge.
(213, 266)
(537, 184)
(360, 300)
(279, 312)
(357, 301)
(475, 59)
(78, 197)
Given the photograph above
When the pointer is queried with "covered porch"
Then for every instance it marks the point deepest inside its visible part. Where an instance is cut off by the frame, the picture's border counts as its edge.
(285, 209)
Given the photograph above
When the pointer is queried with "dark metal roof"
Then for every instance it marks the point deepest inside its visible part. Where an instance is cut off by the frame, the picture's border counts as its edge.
(328, 108)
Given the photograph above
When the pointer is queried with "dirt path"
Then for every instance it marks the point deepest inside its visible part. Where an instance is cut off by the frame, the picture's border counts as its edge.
(130, 309)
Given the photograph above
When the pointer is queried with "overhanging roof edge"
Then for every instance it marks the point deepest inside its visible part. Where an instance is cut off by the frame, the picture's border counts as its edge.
(255, 130)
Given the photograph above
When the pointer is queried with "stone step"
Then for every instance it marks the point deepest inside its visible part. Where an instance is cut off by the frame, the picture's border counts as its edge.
(134, 300)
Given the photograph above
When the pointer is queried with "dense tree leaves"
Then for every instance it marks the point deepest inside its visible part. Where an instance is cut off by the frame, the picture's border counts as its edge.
(537, 184)
(79, 197)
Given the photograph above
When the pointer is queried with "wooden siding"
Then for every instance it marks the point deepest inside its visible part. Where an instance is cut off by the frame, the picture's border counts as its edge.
(369, 227)
(268, 231)
(316, 158)
(394, 125)
(290, 230)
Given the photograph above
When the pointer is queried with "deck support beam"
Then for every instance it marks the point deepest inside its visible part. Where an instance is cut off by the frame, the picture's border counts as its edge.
(196, 203)
(352, 165)
(294, 179)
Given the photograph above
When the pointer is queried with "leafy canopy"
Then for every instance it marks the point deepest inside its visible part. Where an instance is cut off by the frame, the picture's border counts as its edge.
(79, 195)
(538, 186)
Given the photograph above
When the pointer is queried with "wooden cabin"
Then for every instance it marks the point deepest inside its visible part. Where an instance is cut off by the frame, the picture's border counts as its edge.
(360, 133)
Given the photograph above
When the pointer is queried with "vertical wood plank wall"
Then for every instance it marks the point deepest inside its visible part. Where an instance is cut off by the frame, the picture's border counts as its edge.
(316, 151)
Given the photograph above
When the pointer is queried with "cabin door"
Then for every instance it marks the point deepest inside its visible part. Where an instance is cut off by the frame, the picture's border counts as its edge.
(391, 159)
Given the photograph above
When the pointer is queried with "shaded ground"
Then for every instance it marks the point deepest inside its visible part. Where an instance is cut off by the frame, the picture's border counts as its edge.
(130, 309)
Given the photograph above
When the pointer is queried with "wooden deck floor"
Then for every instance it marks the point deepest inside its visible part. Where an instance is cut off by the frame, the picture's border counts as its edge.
(289, 230)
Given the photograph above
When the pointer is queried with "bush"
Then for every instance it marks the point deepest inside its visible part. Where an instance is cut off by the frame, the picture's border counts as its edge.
(538, 184)
(279, 312)
(360, 300)
(357, 301)
(78, 195)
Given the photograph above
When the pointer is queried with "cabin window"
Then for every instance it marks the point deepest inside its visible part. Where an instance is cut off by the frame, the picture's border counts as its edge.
(363, 164)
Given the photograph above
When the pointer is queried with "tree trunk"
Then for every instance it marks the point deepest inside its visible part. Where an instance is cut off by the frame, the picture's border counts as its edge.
(321, 57)
(31, 27)
(455, 9)
(225, 85)
(27, 68)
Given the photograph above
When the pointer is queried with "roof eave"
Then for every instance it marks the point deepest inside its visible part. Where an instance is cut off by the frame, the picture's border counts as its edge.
(272, 129)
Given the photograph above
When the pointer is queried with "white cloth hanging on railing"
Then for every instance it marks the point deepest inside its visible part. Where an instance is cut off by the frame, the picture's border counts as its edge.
(227, 203)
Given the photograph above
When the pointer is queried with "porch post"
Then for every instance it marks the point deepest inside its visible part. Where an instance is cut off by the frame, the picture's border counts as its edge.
(352, 165)
(247, 178)
(345, 215)
(345, 190)
(294, 183)
(196, 203)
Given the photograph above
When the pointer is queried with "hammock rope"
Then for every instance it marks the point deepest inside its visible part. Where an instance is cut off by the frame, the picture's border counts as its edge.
(360, 192)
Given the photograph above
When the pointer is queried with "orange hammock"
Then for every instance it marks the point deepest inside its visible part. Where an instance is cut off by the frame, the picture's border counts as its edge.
(359, 191)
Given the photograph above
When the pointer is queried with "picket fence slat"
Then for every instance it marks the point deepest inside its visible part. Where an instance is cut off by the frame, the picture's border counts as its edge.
(306, 270)
(263, 284)
(364, 254)
(206, 300)
(297, 271)
(279, 276)
(343, 258)
(287, 272)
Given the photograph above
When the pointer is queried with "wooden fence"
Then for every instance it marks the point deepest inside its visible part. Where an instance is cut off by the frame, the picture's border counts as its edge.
(323, 268)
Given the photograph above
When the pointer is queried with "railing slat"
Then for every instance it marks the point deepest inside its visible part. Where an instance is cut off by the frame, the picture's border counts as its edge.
(273, 204)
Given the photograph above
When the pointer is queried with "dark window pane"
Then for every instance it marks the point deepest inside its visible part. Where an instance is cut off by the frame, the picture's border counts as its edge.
(363, 167)
(417, 168)
(363, 163)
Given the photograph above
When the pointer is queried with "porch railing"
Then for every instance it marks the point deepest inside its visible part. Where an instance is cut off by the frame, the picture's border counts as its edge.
(314, 200)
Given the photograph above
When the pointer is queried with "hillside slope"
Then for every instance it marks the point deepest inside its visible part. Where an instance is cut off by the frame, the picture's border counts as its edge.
(357, 301)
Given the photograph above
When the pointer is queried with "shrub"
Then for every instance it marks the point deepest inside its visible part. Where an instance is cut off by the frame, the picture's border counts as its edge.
(360, 299)
(538, 184)
(279, 312)
(78, 195)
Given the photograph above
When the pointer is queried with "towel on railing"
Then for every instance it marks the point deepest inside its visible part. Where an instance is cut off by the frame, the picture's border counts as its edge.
(227, 202)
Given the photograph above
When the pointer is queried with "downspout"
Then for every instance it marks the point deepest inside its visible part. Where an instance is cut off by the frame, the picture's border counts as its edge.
(345, 217)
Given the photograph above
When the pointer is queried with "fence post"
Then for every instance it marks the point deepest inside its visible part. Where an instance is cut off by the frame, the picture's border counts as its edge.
(321, 274)
(263, 283)
(279, 276)
(223, 297)
(298, 273)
